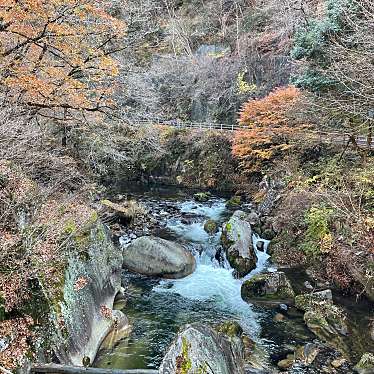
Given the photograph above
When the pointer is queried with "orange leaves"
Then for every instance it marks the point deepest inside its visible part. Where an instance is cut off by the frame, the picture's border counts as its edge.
(57, 54)
(269, 126)
(16, 334)
(271, 110)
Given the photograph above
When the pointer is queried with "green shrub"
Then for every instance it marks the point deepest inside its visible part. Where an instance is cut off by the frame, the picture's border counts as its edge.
(318, 237)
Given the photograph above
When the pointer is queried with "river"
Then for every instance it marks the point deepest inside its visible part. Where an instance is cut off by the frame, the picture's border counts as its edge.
(158, 308)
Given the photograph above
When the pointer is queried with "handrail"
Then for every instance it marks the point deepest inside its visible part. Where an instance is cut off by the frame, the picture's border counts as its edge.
(339, 137)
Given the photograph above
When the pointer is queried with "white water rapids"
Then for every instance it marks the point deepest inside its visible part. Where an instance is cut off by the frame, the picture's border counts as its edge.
(212, 281)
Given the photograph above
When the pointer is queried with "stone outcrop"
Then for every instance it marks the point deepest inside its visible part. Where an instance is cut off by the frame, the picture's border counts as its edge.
(83, 315)
(267, 287)
(237, 241)
(158, 257)
(201, 349)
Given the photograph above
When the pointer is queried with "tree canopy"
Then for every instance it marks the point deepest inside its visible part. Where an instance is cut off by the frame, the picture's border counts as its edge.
(56, 55)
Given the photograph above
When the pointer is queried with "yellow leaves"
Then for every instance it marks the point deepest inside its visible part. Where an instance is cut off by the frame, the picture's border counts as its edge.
(326, 243)
(243, 86)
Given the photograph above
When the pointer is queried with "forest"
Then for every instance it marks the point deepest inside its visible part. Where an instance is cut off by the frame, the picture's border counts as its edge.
(187, 186)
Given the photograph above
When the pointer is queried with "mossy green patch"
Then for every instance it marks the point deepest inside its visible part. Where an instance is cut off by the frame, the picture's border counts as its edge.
(203, 369)
(230, 328)
(234, 202)
(202, 196)
(70, 227)
(211, 226)
(184, 363)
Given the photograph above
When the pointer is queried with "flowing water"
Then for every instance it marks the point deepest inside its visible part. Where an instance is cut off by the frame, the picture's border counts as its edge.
(158, 308)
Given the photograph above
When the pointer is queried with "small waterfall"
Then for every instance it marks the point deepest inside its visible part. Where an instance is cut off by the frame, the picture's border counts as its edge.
(210, 295)
(212, 281)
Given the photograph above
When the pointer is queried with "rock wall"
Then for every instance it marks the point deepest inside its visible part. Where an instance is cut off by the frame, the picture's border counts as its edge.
(83, 316)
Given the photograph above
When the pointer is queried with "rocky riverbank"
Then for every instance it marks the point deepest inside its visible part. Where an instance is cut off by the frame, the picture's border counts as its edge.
(273, 292)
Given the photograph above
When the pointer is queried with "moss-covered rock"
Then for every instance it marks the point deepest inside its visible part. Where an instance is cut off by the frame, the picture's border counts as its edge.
(305, 302)
(325, 320)
(267, 287)
(268, 234)
(82, 308)
(200, 349)
(230, 329)
(236, 239)
(286, 363)
(211, 227)
(234, 202)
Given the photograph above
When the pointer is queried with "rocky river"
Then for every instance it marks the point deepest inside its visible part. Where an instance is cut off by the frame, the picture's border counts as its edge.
(231, 285)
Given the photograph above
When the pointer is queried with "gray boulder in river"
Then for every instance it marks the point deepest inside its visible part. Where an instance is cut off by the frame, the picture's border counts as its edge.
(237, 241)
(158, 257)
(200, 349)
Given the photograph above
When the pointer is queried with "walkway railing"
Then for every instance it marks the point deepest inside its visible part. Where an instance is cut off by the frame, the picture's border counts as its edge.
(323, 136)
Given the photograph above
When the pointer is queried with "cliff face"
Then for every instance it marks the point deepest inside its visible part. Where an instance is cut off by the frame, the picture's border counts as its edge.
(84, 315)
(201, 60)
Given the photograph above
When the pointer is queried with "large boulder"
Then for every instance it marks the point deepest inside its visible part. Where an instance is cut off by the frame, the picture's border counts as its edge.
(201, 349)
(158, 257)
(236, 239)
(267, 287)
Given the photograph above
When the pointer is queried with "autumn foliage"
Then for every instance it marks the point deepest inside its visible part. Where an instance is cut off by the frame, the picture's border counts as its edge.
(56, 55)
(268, 126)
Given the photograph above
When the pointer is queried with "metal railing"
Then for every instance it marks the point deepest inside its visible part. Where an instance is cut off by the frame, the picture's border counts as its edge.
(323, 136)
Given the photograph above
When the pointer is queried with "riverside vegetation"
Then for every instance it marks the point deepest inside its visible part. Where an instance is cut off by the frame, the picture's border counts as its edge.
(74, 220)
